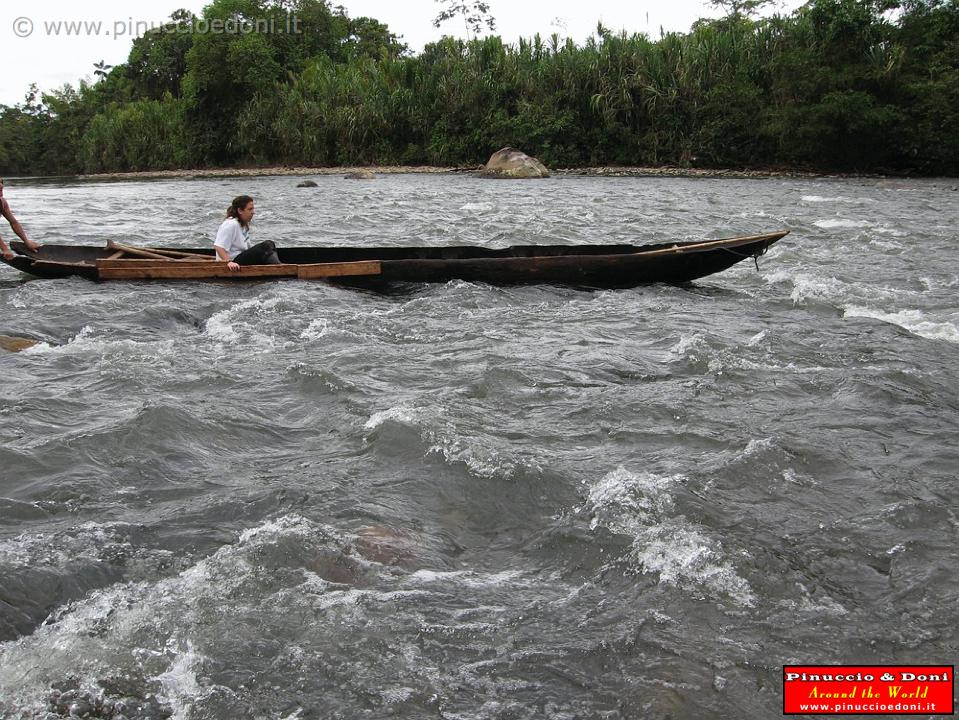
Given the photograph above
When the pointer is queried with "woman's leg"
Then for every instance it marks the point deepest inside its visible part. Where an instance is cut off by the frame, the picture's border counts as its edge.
(263, 253)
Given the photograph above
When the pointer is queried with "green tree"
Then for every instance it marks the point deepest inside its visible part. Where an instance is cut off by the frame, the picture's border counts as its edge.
(835, 85)
(737, 9)
(475, 14)
(157, 61)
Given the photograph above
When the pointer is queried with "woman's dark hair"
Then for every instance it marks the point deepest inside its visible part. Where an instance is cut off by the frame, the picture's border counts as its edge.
(238, 204)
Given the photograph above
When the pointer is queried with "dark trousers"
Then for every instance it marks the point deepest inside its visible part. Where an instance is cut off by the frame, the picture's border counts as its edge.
(263, 253)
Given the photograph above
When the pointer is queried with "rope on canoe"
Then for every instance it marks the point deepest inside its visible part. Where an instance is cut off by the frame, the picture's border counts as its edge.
(754, 256)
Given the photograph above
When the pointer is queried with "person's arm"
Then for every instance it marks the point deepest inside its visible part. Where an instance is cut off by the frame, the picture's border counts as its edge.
(6, 251)
(17, 227)
(225, 257)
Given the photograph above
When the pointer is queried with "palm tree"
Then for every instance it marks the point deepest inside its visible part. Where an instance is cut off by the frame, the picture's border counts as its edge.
(100, 69)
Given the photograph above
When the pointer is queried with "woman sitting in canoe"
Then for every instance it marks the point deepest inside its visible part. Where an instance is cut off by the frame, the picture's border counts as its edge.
(232, 244)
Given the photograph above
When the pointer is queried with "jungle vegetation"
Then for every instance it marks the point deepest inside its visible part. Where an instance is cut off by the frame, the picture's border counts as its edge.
(838, 85)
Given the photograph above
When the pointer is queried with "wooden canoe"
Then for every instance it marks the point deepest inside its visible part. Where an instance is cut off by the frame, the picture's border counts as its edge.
(598, 266)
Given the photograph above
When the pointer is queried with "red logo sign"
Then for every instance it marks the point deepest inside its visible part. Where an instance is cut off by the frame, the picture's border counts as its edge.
(869, 689)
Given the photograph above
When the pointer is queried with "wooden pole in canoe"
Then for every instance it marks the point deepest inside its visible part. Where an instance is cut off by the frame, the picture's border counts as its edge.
(156, 253)
(135, 251)
(183, 255)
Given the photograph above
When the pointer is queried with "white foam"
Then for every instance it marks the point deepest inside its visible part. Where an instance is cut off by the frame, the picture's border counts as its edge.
(89, 541)
(392, 696)
(220, 328)
(835, 199)
(755, 447)
(915, 321)
(811, 286)
(821, 199)
(468, 578)
(221, 325)
(892, 231)
(129, 357)
(646, 497)
(681, 553)
(822, 604)
(757, 338)
(889, 245)
(483, 456)
(317, 329)
(82, 340)
(180, 687)
(478, 206)
(286, 525)
(835, 223)
(796, 478)
(72, 639)
(686, 346)
(313, 583)
(401, 414)
(837, 292)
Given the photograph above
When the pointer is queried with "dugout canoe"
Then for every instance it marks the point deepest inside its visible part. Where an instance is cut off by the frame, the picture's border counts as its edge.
(597, 266)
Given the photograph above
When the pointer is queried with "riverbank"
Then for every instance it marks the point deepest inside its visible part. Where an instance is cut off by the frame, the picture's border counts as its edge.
(600, 171)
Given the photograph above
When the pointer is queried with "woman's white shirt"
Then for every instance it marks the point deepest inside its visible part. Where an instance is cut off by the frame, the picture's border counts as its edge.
(232, 237)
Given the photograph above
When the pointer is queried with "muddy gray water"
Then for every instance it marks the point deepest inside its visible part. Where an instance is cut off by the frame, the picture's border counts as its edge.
(286, 499)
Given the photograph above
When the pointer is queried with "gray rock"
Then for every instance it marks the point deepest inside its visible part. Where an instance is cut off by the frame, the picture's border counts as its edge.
(307, 183)
(512, 163)
(361, 175)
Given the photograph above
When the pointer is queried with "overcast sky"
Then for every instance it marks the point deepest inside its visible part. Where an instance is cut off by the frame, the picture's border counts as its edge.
(34, 52)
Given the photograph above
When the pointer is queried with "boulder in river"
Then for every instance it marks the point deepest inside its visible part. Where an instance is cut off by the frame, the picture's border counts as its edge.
(384, 545)
(512, 163)
(307, 183)
(15, 344)
(361, 175)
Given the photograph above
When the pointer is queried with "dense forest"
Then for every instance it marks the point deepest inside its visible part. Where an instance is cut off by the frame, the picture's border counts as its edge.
(838, 85)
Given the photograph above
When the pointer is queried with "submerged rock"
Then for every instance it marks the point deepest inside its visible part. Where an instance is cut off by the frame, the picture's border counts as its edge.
(512, 163)
(307, 183)
(15, 344)
(361, 175)
(384, 545)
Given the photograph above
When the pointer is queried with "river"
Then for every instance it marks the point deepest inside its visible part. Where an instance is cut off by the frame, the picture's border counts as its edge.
(295, 500)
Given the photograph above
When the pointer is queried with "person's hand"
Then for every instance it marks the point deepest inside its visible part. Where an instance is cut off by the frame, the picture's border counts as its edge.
(233, 266)
(31, 246)
(8, 254)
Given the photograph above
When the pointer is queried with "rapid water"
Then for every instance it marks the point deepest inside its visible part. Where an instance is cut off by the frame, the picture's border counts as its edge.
(293, 500)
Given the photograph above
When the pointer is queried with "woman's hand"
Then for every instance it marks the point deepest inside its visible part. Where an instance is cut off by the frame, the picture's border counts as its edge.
(233, 266)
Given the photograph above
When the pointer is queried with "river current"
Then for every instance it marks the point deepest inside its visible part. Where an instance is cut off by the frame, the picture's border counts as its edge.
(296, 500)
